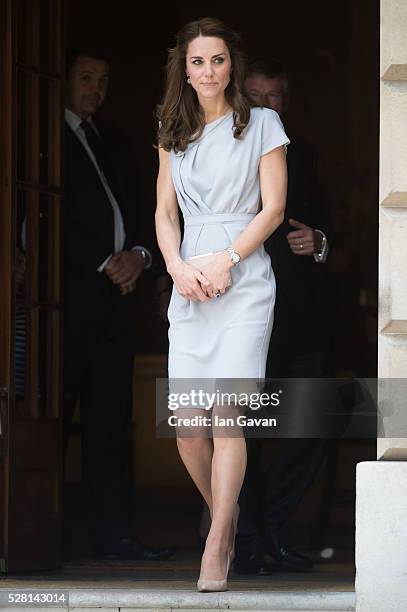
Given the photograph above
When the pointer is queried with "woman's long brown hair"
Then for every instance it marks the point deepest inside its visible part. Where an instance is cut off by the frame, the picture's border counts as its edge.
(180, 116)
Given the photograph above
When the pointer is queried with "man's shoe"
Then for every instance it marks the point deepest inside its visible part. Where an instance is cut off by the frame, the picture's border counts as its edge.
(127, 548)
(282, 558)
(255, 565)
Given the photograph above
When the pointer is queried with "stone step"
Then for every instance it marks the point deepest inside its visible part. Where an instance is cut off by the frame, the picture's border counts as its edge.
(169, 600)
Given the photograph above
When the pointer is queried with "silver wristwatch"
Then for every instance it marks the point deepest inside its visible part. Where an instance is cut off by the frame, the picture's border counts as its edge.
(145, 254)
(235, 257)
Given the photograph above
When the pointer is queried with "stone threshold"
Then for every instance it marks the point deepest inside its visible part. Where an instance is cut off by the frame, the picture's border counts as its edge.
(166, 600)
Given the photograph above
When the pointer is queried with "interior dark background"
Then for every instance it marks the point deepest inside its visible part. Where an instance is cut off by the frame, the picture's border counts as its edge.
(331, 50)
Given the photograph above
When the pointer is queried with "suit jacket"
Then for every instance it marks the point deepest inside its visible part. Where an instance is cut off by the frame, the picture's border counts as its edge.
(297, 317)
(89, 226)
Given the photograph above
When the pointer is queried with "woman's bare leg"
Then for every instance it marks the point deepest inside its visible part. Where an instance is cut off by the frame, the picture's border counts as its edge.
(196, 450)
(228, 469)
(196, 454)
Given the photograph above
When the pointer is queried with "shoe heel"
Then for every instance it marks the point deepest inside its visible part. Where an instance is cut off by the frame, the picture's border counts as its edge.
(211, 586)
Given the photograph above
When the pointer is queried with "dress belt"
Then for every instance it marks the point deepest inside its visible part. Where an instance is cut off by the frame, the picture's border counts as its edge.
(218, 218)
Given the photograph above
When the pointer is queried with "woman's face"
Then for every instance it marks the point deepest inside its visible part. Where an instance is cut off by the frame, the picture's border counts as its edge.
(208, 64)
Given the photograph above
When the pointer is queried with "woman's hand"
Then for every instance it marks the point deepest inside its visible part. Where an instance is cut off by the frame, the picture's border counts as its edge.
(190, 283)
(218, 273)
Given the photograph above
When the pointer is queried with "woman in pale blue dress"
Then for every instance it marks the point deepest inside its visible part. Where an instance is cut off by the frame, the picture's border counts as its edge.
(223, 163)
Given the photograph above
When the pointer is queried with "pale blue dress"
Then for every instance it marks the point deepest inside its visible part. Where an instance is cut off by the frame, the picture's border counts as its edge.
(218, 190)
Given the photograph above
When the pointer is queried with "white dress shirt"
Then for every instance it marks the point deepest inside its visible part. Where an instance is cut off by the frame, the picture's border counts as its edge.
(74, 123)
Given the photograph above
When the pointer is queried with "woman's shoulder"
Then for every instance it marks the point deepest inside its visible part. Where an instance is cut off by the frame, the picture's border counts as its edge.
(262, 113)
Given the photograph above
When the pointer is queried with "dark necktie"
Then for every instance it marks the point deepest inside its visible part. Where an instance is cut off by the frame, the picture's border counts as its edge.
(103, 161)
(101, 155)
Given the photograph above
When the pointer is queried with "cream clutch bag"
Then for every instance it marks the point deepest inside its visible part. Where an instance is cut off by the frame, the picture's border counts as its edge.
(200, 261)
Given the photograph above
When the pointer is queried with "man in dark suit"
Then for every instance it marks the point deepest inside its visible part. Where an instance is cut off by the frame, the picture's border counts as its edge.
(104, 256)
(296, 348)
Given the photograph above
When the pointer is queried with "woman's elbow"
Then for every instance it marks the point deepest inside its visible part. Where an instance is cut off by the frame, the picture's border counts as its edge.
(280, 216)
(276, 216)
(163, 216)
(157, 217)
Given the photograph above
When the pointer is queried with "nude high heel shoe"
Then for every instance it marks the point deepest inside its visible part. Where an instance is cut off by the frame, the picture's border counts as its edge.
(210, 586)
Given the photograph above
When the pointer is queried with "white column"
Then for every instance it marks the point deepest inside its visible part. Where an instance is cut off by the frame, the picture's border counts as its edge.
(381, 487)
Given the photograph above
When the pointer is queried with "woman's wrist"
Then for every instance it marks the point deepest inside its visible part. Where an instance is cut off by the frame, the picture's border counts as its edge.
(174, 265)
(227, 259)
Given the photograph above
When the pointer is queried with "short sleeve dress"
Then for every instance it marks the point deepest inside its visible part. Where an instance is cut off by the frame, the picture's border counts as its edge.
(218, 190)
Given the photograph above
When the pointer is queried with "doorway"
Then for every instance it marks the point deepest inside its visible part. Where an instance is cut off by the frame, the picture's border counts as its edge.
(333, 61)
(334, 65)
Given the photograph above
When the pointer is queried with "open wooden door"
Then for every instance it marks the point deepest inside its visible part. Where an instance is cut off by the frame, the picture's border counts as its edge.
(32, 71)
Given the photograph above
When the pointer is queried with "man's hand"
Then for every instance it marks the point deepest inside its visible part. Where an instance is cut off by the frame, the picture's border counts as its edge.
(124, 269)
(305, 240)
